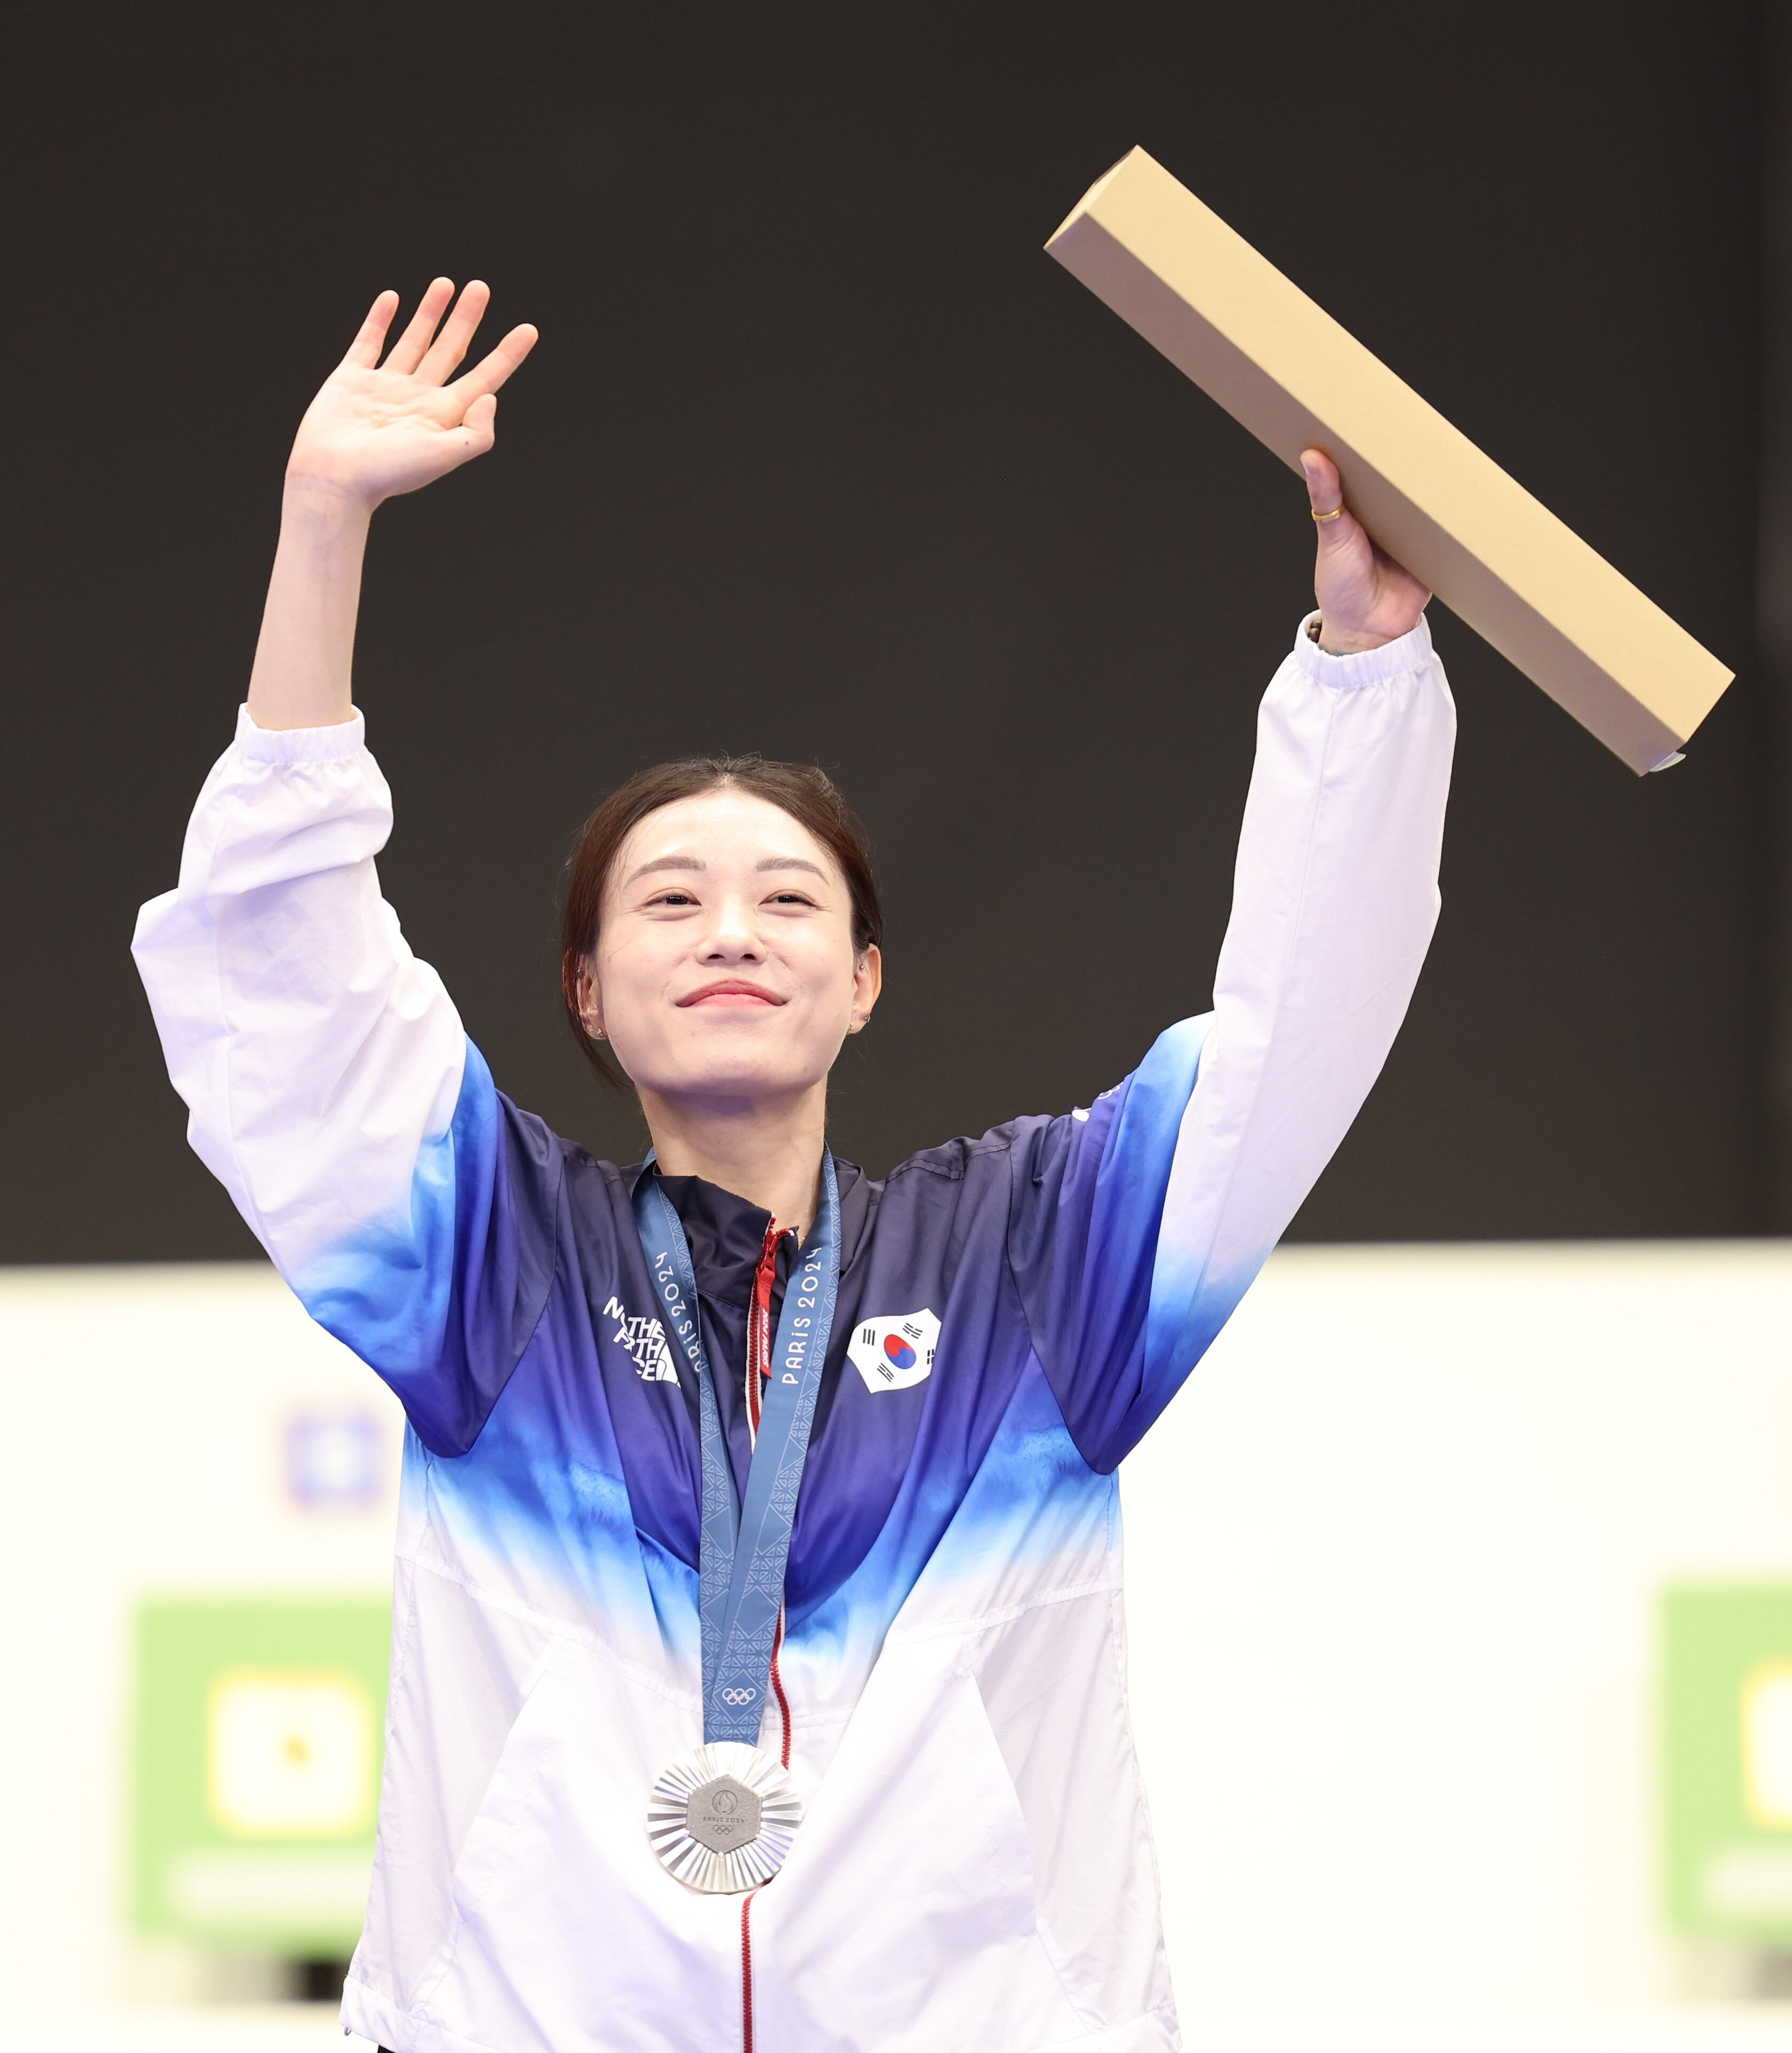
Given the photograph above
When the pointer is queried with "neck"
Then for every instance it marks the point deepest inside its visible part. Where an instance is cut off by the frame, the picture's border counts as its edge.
(770, 1154)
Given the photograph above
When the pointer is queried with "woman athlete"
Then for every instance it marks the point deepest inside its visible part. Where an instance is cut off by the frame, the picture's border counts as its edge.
(758, 1661)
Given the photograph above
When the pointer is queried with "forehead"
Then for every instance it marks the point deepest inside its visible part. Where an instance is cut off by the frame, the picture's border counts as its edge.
(724, 829)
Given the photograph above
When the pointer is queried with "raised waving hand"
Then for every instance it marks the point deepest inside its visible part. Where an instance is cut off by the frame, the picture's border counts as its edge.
(376, 429)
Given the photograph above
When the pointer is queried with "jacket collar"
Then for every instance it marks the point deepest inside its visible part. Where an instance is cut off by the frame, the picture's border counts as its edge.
(726, 1233)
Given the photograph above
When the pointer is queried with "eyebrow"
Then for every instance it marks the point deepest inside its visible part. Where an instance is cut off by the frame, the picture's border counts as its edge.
(667, 862)
(697, 862)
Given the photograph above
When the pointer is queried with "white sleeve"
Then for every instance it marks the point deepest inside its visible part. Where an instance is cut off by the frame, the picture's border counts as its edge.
(1333, 903)
(320, 1060)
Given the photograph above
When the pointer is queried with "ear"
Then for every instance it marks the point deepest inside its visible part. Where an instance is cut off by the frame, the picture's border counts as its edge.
(590, 1004)
(868, 985)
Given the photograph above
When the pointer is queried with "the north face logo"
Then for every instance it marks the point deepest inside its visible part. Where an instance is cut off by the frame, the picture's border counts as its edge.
(645, 1340)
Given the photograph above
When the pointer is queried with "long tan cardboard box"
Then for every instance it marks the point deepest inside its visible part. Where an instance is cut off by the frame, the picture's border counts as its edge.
(1282, 366)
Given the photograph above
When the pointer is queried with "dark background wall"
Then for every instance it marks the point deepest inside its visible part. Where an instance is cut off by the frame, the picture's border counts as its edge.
(821, 455)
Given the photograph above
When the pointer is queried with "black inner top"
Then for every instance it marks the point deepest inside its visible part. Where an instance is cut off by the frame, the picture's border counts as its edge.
(725, 1234)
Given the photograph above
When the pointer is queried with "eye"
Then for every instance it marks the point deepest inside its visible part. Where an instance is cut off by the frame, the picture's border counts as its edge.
(791, 898)
(676, 897)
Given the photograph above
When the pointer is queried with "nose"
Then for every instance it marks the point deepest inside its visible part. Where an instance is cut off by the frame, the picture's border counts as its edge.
(734, 935)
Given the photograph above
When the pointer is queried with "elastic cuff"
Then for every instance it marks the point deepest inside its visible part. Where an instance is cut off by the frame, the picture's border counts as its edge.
(299, 744)
(1369, 666)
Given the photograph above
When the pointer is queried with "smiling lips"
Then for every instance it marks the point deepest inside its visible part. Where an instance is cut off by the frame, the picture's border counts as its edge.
(732, 992)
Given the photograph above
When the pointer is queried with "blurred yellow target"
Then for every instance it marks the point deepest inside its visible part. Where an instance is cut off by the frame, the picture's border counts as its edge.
(257, 1747)
(289, 1755)
(1766, 1715)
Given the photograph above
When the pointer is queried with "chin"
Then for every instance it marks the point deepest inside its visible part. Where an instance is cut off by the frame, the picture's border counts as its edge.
(728, 1063)
(731, 1079)
(727, 1072)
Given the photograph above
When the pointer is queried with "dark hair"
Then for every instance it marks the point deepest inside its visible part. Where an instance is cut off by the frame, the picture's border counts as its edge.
(802, 789)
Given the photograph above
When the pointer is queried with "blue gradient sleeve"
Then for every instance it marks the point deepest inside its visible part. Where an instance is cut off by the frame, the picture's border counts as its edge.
(1108, 1319)
(331, 1087)
(1138, 1226)
(440, 1294)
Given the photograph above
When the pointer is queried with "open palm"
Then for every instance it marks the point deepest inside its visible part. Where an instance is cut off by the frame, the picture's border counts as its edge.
(376, 429)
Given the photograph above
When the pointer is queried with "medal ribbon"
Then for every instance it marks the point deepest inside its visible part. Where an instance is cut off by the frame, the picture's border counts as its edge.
(743, 1548)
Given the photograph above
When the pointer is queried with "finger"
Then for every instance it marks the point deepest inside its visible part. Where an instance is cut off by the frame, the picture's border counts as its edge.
(445, 353)
(1336, 524)
(1325, 489)
(364, 350)
(478, 431)
(491, 371)
(407, 352)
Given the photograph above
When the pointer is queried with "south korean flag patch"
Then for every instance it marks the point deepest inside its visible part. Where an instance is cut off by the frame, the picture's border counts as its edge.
(896, 1352)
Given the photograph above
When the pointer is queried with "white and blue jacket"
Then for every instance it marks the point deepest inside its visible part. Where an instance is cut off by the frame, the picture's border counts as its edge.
(975, 1870)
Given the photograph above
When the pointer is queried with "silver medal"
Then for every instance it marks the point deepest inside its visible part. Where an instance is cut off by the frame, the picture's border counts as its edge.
(723, 1819)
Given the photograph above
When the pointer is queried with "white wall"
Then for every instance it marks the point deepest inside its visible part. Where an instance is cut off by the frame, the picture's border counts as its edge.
(1393, 1556)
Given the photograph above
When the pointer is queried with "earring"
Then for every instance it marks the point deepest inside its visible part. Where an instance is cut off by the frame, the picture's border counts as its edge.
(596, 1033)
